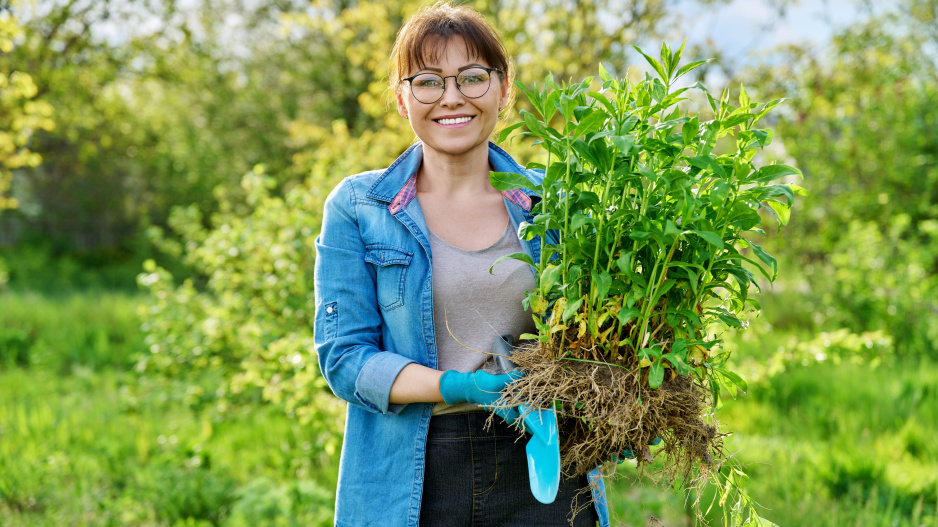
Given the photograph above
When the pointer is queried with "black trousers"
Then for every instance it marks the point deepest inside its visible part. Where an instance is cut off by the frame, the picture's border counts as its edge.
(479, 478)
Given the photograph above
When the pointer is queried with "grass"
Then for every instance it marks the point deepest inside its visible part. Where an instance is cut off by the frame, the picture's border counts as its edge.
(87, 441)
(825, 443)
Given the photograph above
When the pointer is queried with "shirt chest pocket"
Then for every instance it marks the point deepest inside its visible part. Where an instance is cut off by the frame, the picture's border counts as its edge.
(391, 272)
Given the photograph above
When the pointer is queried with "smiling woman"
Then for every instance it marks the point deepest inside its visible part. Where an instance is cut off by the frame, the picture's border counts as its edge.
(406, 308)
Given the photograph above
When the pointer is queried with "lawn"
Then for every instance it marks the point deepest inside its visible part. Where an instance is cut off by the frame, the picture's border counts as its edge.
(839, 438)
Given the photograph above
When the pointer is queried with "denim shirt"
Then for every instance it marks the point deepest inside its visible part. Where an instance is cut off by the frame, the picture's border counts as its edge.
(374, 315)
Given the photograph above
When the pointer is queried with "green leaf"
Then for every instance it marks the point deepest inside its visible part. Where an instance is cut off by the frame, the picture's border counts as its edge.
(764, 137)
(507, 130)
(654, 63)
(676, 57)
(735, 120)
(509, 181)
(679, 347)
(624, 263)
(603, 281)
(710, 237)
(521, 257)
(571, 308)
(527, 231)
(536, 127)
(767, 258)
(579, 220)
(719, 191)
(707, 163)
(768, 106)
(715, 394)
(758, 521)
(726, 317)
(734, 378)
(603, 74)
(655, 375)
(680, 366)
(743, 97)
(628, 313)
(623, 143)
(773, 172)
(689, 131)
(689, 67)
(638, 279)
(665, 287)
(782, 211)
(591, 123)
(688, 269)
(549, 277)
(670, 228)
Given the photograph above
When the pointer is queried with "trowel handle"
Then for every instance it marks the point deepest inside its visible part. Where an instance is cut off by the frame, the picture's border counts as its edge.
(501, 350)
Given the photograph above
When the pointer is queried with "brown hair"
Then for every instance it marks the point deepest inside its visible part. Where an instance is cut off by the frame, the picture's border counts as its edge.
(423, 38)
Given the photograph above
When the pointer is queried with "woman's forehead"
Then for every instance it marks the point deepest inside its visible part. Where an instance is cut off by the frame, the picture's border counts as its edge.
(436, 49)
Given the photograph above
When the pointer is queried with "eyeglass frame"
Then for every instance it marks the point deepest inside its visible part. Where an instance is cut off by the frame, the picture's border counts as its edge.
(410, 81)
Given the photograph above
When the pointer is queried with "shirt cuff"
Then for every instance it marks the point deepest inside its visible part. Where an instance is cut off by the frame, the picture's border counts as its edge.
(373, 386)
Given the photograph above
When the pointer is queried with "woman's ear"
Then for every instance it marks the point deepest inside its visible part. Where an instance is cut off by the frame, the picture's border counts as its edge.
(503, 95)
(401, 106)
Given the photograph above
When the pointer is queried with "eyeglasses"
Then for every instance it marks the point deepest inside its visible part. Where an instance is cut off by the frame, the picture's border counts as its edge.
(429, 87)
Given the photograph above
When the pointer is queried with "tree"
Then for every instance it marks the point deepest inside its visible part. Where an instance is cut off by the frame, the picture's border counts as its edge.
(863, 125)
(21, 112)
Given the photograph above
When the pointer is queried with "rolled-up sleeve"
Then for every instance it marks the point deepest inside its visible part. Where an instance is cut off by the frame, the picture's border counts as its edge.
(348, 318)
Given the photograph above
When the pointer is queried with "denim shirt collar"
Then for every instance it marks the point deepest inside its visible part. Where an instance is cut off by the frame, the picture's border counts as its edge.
(398, 184)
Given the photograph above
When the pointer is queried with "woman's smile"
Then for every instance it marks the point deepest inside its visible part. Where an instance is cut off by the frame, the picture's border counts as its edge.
(454, 121)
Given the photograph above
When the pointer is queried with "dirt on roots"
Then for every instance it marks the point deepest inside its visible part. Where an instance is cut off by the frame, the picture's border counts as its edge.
(605, 409)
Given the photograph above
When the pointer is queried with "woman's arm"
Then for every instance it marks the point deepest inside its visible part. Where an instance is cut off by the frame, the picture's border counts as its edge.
(416, 384)
(348, 320)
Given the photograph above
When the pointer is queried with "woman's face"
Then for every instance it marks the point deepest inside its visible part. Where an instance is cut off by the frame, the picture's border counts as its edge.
(454, 125)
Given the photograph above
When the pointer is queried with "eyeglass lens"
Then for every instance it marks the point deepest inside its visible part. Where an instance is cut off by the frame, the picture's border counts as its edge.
(429, 87)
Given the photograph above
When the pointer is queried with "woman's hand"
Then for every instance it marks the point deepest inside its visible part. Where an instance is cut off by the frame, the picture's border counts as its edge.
(480, 388)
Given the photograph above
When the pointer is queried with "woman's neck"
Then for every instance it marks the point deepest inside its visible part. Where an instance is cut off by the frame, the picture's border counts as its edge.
(445, 174)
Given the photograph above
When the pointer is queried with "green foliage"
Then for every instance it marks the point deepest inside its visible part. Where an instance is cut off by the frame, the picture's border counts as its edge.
(21, 113)
(650, 219)
(69, 332)
(37, 267)
(200, 92)
(829, 439)
(863, 126)
(102, 449)
(249, 327)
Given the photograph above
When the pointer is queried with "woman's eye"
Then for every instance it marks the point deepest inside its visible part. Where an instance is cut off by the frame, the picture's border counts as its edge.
(472, 79)
(427, 83)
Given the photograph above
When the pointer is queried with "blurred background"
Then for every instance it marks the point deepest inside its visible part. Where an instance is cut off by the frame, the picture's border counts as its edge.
(163, 165)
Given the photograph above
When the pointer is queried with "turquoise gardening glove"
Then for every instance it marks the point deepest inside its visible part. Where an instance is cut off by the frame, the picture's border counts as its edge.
(480, 388)
(628, 454)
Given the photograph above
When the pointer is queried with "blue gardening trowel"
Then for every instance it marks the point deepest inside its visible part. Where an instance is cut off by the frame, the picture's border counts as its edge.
(543, 449)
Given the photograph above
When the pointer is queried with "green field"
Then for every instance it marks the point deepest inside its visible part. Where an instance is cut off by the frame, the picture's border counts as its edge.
(87, 440)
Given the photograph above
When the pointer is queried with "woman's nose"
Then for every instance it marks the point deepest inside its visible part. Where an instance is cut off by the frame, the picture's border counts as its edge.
(451, 93)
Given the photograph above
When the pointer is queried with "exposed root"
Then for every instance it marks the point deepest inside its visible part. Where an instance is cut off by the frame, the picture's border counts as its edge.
(604, 409)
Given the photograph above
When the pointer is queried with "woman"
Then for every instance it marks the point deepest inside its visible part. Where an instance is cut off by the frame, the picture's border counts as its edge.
(404, 298)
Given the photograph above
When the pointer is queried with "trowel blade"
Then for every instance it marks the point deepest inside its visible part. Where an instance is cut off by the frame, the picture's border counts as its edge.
(543, 452)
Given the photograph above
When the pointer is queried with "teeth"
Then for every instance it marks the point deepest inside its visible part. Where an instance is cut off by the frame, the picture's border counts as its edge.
(455, 121)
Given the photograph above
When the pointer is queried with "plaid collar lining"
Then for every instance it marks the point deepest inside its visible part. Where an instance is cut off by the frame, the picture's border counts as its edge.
(409, 192)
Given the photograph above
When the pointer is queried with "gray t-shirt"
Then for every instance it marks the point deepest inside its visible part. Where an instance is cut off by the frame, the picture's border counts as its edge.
(471, 307)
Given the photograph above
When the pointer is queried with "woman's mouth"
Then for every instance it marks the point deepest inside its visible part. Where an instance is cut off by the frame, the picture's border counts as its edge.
(454, 121)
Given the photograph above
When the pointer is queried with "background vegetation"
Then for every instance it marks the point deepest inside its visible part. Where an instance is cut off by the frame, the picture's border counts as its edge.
(162, 168)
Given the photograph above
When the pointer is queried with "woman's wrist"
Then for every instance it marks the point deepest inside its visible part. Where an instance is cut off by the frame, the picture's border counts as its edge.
(416, 384)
